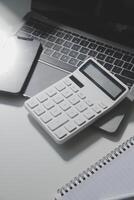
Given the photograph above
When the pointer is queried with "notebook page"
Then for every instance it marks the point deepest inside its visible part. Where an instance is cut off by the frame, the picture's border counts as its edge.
(116, 178)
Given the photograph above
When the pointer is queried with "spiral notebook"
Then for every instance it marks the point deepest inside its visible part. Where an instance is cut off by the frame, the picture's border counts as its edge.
(111, 176)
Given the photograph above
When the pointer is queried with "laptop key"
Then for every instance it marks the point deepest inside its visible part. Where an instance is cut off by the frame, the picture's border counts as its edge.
(56, 55)
(49, 44)
(101, 49)
(127, 66)
(65, 50)
(84, 43)
(101, 56)
(48, 51)
(73, 61)
(73, 54)
(109, 52)
(118, 62)
(108, 66)
(51, 38)
(127, 58)
(109, 59)
(76, 47)
(118, 55)
(128, 74)
(36, 33)
(59, 41)
(44, 35)
(92, 46)
(92, 53)
(116, 69)
(60, 34)
(27, 29)
(76, 40)
(84, 50)
(57, 47)
(65, 58)
(82, 57)
(68, 37)
(67, 44)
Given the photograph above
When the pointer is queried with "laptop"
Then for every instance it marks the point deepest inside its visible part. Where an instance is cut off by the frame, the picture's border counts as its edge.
(72, 31)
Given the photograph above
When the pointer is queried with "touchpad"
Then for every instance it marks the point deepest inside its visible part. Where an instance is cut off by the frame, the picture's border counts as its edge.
(44, 75)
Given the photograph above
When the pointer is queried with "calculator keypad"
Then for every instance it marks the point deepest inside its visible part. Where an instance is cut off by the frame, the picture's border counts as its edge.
(63, 109)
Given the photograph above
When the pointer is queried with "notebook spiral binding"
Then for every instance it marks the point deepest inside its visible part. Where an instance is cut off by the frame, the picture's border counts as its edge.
(94, 168)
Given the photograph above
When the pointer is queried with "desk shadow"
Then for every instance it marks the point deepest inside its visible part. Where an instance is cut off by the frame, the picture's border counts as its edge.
(77, 144)
(7, 99)
(74, 146)
(86, 138)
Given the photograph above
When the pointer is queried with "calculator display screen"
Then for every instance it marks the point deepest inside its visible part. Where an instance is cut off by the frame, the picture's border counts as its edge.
(103, 80)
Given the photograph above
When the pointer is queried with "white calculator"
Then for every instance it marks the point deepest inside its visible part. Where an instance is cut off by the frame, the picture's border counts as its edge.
(73, 103)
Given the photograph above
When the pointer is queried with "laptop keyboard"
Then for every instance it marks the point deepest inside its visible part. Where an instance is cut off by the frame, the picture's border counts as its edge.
(68, 50)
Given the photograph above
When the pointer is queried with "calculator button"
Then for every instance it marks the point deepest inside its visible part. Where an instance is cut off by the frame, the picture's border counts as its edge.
(39, 110)
(48, 104)
(81, 106)
(68, 82)
(74, 99)
(57, 122)
(74, 88)
(89, 114)
(81, 95)
(58, 98)
(32, 103)
(79, 120)
(90, 103)
(65, 105)
(97, 109)
(51, 92)
(60, 86)
(103, 105)
(42, 97)
(72, 113)
(67, 93)
(55, 111)
(46, 117)
(61, 133)
(70, 126)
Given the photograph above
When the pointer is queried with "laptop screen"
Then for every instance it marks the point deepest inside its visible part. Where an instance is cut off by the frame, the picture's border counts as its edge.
(66, 9)
(120, 11)
(111, 19)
